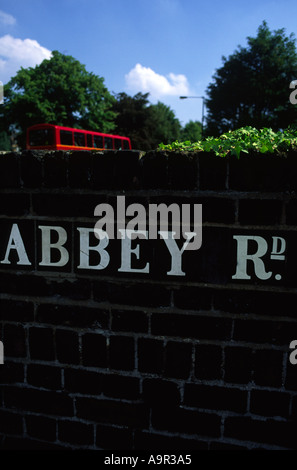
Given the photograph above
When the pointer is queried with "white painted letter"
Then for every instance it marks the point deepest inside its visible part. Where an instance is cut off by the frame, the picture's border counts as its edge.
(16, 243)
(85, 248)
(47, 246)
(127, 251)
(243, 257)
(176, 269)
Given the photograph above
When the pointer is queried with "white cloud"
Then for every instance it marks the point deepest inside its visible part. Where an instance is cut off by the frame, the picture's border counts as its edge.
(144, 79)
(7, 19)
(16, 53)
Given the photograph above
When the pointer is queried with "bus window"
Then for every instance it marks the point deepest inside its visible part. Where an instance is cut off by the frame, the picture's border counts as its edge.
(79, 139)
(118, 144)
(89, 140)
(40, 137)
(66, 137)
(98, 141)
(126, 144)
(108, 143)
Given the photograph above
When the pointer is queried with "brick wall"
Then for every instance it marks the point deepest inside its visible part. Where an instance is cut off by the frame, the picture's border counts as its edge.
(105, 359)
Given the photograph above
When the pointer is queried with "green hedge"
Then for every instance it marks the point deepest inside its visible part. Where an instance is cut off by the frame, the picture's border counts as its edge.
(241, 140)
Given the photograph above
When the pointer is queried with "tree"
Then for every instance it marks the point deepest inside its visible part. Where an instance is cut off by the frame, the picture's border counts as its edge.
(165, 126)
(58, 91)
(146, 125)
(133, 119)
(192, 131)
(5, 143)
(252, 86)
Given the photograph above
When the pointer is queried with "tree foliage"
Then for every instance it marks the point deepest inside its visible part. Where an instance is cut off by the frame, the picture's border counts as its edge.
(165, 126)
(192, 131)
(147, 125)
(252, 86)
(59, 91)
(243, 140)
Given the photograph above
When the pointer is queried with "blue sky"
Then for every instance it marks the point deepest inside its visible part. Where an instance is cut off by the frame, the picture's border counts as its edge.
(166, 47)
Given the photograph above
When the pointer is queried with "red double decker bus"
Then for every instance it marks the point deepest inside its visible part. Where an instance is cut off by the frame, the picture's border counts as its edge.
(52, 137)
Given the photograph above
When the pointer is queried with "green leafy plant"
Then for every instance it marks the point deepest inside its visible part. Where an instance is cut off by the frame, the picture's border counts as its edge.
(239, 141)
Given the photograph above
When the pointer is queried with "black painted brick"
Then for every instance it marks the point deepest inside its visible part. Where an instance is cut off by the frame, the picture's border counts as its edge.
(263, 331)
(261, 431)
(129, 320)
(67, 347)
(212, 171)
(10, 423)
(192, 298)
(258, 172)
(216, 210)
(19, 311)
(146, 440)
(222, 446)
(104, 168)
(55, 169)
(272, 404)
(150, 355)
(41, 343)
(112, 412)
(83, 381)
(76, 289)
(39, 401)
(265, 303)
(66, 205)
(44, 376)
(291, 377)
(113, 438)
(32, 445)
(14, 340)
(121, 352)
(119, 386)
(260, 212)
(182, 170)
(186, 421)
(154, 170)
(11, 372)
(191, 326)
(294, 407)
(31, 169)
(208, 362)
(80, 169)
(178, 359)
(24, 284)
(127, 170)
(140, 294)
(75, 432)
(215, 398)
(291, 212)
(9, 170)
(94, 350)
(14, 204)
(268, 367)
(238, 364)
(159, 392)
(41, 427)
(72, 316)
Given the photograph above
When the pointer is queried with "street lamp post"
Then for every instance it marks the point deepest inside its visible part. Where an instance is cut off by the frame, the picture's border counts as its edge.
(203, 99)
